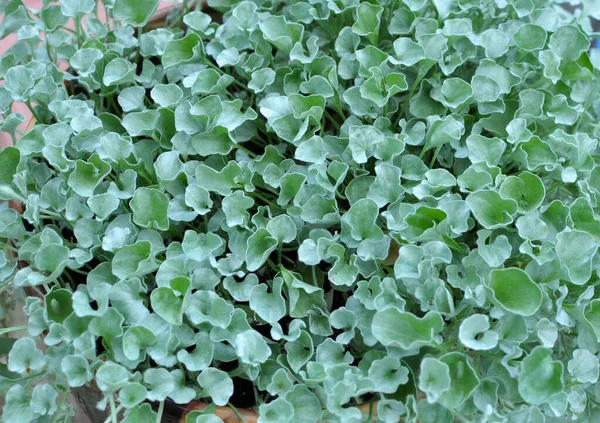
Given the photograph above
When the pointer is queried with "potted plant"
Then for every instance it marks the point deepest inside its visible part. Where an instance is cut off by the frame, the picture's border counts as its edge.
(323, 211)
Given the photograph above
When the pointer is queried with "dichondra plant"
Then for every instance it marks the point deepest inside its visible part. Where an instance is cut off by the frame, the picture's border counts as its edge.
(303, 208)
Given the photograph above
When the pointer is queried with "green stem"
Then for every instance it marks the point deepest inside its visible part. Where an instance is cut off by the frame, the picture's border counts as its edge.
(574, 383)
(370, 416)
(48, 50)
(24, 378)
(435, 154)
(110, 418)
(113, 409)
(161, 407)
(460, 417)
(78, 31)
(235, 81)
(402, 111)
(237, 413)
(13, 329)
(4, 245)
(338, 106)
(260, 197)
(332, 120)
(112, 103)
(56, 216)
(33, 112)
(250, 153)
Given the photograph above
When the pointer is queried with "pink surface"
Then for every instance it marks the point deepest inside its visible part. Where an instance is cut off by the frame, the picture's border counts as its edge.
(10, 40)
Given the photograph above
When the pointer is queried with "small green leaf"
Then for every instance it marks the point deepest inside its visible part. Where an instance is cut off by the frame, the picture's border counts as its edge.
(199, 246)
(135, 341)
(24, 357)
(160, 382)
(259, 246)
(514, 291)
(540, 377)
(166, 95)
(132, 394)
(251, 348)
(131, 98)
(495, 43)
(568, 42)
(261, 79)
(387, 374)
(168, 302)
(474, 333)
(43, 399)
(59, 304)
(485, 88)
(118, 71)
(149, 207)
(269, 306)
(77, 8)
(201, 357)
(235, 207)
(217, 384)
(456, 92)
(77, 370)
(434, 378)
(463, 378)
(575, 250)
(17, 406)
(368, 20)
(282, 228)
(407, 51)
(584, 366)
(133, 12)
(134, 260)
(111, 377)
(490, 209)
(526, 189)
(182, 51)
(530, 37)
(141, 123)
(393, 327)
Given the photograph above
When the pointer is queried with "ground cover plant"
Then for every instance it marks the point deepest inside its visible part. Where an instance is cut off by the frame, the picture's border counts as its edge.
(303, 207)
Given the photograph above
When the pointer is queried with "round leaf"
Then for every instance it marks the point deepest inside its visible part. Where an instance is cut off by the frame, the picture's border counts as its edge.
(514, 291)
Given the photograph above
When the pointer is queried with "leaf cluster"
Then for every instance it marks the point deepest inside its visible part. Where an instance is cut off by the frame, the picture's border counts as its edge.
(335, 202)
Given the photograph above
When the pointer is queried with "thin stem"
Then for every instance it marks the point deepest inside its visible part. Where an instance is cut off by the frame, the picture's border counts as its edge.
(33, 112)
(250, 153)
(112, 103)
(260, 197)
(332, 120)
(338, 106)
(370, 416)
(237, 413)
(24, 378)
(113, 410)
(13, 329)
(108, 420)
(78, 31)
(235, 81)
(402, 111)
(4, 245)
(161, 407)
(435, 154)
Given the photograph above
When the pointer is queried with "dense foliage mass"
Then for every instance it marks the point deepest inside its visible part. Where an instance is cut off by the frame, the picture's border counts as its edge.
(323, 204)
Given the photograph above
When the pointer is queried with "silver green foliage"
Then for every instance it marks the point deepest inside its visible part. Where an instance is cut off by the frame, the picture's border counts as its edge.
(391, 202)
